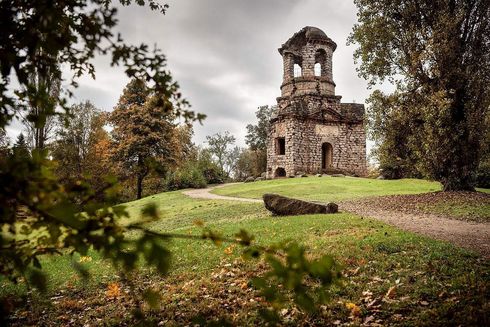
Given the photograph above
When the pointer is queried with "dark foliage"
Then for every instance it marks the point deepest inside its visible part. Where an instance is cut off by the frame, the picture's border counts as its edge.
(437, 54)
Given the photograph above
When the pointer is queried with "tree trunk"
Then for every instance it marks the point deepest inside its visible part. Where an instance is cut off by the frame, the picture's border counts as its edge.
(142, 171)
(139, 186)
(456, 182)
(464, 157)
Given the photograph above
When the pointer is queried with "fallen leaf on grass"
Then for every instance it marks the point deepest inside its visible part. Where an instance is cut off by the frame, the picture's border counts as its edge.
(113, 290)
(229, 250)
(354, 309)
(368, 319)
(391, 292)
(85, 259)
(372, 303)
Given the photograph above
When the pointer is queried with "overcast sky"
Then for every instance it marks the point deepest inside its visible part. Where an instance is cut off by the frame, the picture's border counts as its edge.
(224, 54)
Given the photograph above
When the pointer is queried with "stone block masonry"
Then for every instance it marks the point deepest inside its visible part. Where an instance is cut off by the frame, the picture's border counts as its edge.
(311, 130)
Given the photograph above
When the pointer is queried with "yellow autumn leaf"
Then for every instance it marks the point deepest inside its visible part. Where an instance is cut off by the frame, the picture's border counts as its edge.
(198, 222)
(229, 250)
(354, 309)
(113, 290)
(350, 305)
(85, 259)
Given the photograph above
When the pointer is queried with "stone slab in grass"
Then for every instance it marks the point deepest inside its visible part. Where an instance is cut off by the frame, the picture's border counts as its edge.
(284, 206)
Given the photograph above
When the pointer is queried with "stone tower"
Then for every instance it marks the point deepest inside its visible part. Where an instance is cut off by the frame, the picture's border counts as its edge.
(311, 131)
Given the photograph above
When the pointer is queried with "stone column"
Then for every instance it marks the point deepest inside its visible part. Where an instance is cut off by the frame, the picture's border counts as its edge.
(288, 63)
(309, 61)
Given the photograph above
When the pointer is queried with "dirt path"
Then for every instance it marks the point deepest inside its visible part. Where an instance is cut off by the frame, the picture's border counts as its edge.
(470, 235)
(204, 193)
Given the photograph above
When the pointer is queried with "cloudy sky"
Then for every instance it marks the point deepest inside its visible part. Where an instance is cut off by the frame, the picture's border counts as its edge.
(224, 54)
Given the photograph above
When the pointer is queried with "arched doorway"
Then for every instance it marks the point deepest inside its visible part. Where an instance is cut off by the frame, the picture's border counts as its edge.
(327, 156)
(280, 172)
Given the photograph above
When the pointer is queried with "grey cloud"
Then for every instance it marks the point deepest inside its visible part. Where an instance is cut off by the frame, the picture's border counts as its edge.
(224, 54)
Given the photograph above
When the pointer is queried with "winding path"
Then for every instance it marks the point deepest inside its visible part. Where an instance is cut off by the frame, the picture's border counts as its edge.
(466, 234)
(204, 193)
(470, 235)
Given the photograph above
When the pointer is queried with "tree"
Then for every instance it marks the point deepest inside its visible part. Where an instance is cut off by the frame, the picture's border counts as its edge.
(245, 165)
(75, 138)
(232, 159)
(256, 138)
(257, 135)
(37, 39)
(220, 147)
(183, 146)
(437, 53)
(395, 148)
(81, 149)
(4, 144)
(483, 172)
(20, 148)
(205, 163)
(39, 121)
(143, 132)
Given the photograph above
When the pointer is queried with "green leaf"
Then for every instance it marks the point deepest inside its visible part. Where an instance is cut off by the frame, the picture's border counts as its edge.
(36, 263)
(152, 297)
(38, 279)
(151, 211)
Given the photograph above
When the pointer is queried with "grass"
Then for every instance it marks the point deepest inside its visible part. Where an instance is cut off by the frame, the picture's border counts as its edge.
(435, 282)
(465, 211)
(464, 208)
(329, 188)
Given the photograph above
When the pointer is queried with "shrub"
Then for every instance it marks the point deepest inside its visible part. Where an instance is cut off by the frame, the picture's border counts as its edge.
(483, 175)
(212, 175)
(186, 177)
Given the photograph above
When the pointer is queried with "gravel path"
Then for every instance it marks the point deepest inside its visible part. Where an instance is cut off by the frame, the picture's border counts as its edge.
(470, 235)
(204, 193)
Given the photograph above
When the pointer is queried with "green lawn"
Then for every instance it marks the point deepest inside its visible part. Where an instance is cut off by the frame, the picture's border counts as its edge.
(329, 188)
(436, 283)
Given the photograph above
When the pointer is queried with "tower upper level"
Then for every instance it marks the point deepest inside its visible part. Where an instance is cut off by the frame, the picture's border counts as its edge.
(307, 58)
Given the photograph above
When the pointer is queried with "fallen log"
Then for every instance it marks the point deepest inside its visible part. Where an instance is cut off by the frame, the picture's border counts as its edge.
(284, 206)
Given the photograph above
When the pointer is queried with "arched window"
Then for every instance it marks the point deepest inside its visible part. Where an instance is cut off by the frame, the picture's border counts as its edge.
(320, 62)
(297, 70)
(318, 69)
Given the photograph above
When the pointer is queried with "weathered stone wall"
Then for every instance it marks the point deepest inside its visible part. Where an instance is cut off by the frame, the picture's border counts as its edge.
(304, 140)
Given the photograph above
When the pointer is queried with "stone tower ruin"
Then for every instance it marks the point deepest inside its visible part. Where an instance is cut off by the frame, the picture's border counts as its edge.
(311, 131)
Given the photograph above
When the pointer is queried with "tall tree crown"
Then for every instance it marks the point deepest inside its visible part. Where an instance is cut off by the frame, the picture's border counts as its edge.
(437, 53)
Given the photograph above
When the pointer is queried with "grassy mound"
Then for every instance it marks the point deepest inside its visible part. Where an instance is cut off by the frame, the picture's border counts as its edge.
(329, 188)
(391, 276)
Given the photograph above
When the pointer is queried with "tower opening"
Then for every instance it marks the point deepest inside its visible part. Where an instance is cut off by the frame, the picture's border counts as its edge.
(280, 146)
(280, 172)
(321, 63)
(327, 156)
(318, 69)
(297, 70)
